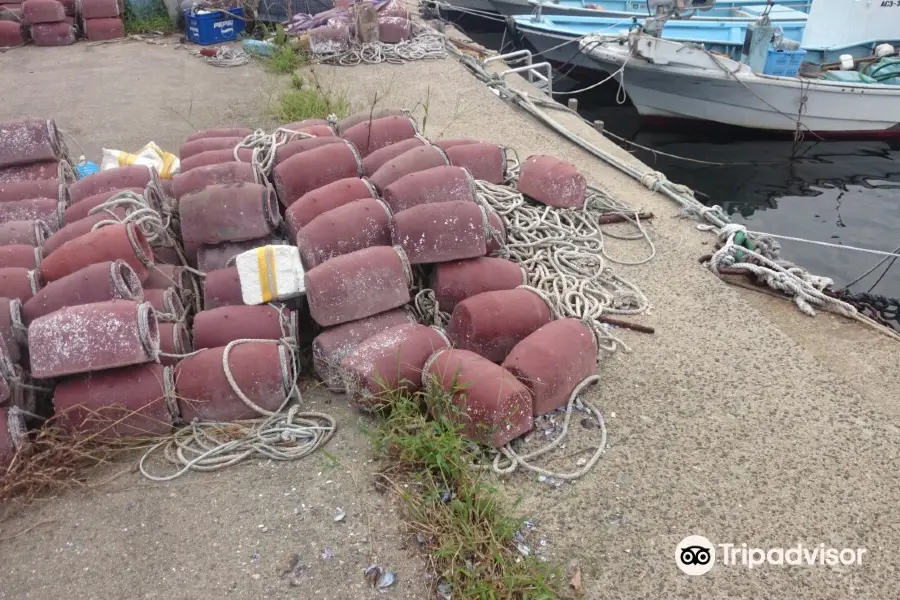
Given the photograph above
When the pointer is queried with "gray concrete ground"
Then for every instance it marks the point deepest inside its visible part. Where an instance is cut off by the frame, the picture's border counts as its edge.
(741, 420)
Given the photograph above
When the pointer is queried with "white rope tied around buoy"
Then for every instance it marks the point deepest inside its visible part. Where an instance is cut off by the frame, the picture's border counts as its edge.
(425, 46)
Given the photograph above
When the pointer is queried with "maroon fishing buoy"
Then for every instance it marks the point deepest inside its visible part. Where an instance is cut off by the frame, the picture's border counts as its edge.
(134, 176)
(333, 38)
(438, 184)
(228, 213)
(552, 361)
(12, 34)
(368, 136)
(126, 402)
(366, 115)
(32, 233)
(316, 130)
(166, 276)
(446, 144)
(42, 188)
(218, 256)
(331, 346)
(222, 287)
(80, 228)
(376, 159)
(551, 181)
(48, 210)
(218, 326)
(82, 208)
(219, 174)
(53, 34)
(494, 407)
(92, 337)
(125, 241)
(348, 228)
(411, 161)
(29, 140)
(314, 168)
(492, 323)
(100, 30)
(498, 232)
(43, 11)
(455, 281)
(219, 132)
(389, 361)
(12, 330)
(174, 342)
(486, 162)
(312, 204)
(299, 125)
(293, 147)
(440, 232)
(393, 29)
(167, 304)
(192, 148)
(357, 285)
(20, 255)
(262, 371)
(100, 9)
(36, 171)
(19, 282)
(215, 157)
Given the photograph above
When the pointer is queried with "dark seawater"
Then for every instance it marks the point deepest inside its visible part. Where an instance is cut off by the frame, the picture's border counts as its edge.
(841, 192)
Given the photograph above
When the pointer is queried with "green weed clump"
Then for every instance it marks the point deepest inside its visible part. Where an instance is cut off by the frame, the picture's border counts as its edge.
(154, 20)
(308, 99)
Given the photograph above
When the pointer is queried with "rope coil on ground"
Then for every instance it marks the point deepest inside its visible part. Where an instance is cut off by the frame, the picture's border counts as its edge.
(425, 46)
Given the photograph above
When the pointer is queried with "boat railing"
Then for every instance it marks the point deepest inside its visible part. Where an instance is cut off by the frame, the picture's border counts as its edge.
(531, 69)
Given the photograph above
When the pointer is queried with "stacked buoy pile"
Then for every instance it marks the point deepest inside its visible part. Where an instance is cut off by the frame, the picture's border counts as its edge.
(59, 22)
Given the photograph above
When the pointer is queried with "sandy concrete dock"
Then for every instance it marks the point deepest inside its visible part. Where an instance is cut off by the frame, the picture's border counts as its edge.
(741, 419)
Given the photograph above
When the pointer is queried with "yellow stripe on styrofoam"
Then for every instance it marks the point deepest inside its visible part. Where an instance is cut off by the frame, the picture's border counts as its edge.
(265, 257)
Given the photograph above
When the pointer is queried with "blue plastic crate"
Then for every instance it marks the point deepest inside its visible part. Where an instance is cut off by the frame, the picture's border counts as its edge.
(784, 63)
(213, 27)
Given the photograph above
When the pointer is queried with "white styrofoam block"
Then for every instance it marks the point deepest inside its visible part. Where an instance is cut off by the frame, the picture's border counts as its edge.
(273, 269)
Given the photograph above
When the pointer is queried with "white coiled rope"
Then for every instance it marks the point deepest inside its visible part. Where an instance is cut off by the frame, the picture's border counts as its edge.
(425, 46)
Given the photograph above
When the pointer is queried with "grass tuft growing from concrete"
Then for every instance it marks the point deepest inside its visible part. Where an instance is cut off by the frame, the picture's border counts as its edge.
(154, 20)
(463, 525)
(285, 60)
(306, 98)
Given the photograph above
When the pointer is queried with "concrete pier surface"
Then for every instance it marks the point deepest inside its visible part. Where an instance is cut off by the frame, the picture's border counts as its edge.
(740, 420)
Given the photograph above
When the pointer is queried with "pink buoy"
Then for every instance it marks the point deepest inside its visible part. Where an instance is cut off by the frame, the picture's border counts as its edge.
(284, 152)
(92, 337)
(53, 34)
(411, 161)
(127, 402)
(222, 287)
(99, 282)
(551, 181)
(393, 9)
(348, 228)
(219, 326)
(315, 168)
(42, 188)
(43, 11)
(100, 30)
(192, 148)
(329, 39)
(368, 136)
(166, 276)
(215, 157)
(12, 34)
(174, 342)
(441, 232)
(228, 213)
(12, 330)
(366, 115)
(315, 130)
(498, 232)
(299, 125)
(319, 201)
(389, 361)
(552, 361)
(486, 162)
(20, 255)
(37, 171)
(219, 174)
(48, 210)
(218, 256)
(82, 208)
(262, 371)
(438, 184)
(492, 323)
(232, 132)
(376, 159)
(393, 30)
(126, 242)
(331, 346)
(100, 9)
(166, 303)
(492, 406)
(31, 233)
(19, 282)
(357, 285)
(134, 176)
(455, 281)
(447, 144)
(79, 228)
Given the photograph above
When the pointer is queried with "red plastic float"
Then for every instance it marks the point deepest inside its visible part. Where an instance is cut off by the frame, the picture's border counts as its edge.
(411, 161)
(263, 371)
(100, 9)
(486, 162)
(32, 233)
(228, 213)
(29, 140)
(93, 337)
(175, 341)
(100, 30)
(376, 159)
(36, 171)
(82, 208)
(20, 255)
(368, 136)
(53, 34)
(455, 281)
(43, 11)
(492, 323)
(215, 157)
(48, 210)
(447, 144)
(218, 256)
(498, 232)
(389, 361)
(19, 282)
(298, 125)
(80, 228)
(219, 326)
(126, 402)
(551, 181)
(333, 38)
(366, 115)
(357, 285)
(220, 174)
(134, 176)
(315, 168)
(552, 361)
(494, 407)
(25, 190)
(167, 304)
(222, 287)
(438, 184)
(288, 150)
(126, 242)
(192, 148)
(393, 29)
(348, 228)
(441, 232)
(312, 204)
(12, 34)
(232, 132)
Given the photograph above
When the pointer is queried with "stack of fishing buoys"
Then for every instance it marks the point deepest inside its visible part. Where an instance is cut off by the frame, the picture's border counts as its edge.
(50, 26)
(102, 19)
(551, 181)
(12, 33)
